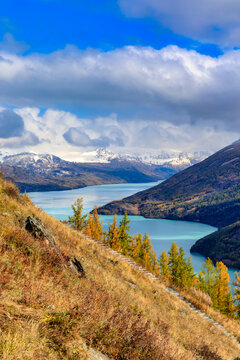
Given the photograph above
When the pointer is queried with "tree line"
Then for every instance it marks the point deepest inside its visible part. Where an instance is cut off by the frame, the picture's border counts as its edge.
(173, 266)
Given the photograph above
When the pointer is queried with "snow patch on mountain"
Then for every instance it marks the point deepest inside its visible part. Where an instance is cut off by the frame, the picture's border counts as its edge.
(172, 159)
(28, 159)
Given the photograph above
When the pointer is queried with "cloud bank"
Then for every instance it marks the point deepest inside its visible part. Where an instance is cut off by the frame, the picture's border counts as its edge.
(11, 124)
(68, 136)
(12, 131)
(215, 21)
(171, 84)
(161, 99)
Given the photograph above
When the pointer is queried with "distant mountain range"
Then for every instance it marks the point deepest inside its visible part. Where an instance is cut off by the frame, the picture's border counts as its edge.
(44, 172)
(207, 192)
(171, 159)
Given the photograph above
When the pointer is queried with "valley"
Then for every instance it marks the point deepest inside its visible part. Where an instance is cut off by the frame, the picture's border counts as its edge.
(207, 192)
(32, 172)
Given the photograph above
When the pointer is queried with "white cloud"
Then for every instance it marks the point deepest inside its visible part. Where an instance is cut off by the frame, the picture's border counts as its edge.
(161, 98)
(215, 21)
(171, 84)
(13, 134)
(9, 44)
(64, 134)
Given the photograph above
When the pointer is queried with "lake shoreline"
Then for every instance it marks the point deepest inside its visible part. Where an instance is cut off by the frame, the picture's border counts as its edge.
(161, 231)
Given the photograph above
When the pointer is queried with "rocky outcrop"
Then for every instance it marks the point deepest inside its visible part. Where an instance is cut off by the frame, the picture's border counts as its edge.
(37, 230)
(96, 355)
(76, 267)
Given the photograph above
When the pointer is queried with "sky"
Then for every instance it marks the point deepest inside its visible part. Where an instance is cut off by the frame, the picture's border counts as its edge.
(131, 76)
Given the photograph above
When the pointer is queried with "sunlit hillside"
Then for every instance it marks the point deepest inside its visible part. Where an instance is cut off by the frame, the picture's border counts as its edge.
(50, 308)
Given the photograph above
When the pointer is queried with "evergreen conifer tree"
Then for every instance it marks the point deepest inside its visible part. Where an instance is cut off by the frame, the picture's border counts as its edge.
(206, 278)
(173, 261)
(124, 237)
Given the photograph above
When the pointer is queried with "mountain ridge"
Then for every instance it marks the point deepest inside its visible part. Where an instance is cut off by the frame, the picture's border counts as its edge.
(44, 172)
(176, 160)
(208, 192)
(216, 176)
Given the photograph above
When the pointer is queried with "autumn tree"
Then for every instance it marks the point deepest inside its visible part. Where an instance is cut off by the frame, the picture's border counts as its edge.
(94, 226)
(124, 237)
(222, 292)
(184, 270)
(163, 264)
(180, 269)
(112, 237)
(236, 283)
(88, 228)
(136, 246)
(78, 220)
(147, 253)
(154, 262)
(173, 261)
(206, 278)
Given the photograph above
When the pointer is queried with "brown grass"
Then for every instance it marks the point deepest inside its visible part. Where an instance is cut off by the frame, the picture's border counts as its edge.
(46, 312)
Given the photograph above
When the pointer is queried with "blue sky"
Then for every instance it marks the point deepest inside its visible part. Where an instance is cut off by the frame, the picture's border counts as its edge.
(47, 26)
(129, 75)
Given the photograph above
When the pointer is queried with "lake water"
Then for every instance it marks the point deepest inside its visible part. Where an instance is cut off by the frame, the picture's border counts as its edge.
(162, 232)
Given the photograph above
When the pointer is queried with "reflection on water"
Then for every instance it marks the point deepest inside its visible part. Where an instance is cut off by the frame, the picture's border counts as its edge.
(162, 232)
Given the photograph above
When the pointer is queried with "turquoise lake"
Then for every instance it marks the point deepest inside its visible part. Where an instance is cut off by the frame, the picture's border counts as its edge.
(162, 232)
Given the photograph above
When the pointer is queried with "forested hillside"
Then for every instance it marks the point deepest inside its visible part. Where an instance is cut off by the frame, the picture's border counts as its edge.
(207, 192)
(222, 245)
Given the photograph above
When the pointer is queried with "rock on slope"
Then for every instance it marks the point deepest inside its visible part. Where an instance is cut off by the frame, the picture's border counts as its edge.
(48, 312)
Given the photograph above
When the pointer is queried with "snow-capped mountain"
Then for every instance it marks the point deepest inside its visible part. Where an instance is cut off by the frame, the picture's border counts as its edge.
(172, 159)
(28, 159)
(176, 160)
(41, 172)
(37, 164)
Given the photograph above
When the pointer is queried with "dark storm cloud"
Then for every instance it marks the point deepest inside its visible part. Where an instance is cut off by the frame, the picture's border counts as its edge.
(11, 124)
(77, 137)
(27, 139)
(171, 84)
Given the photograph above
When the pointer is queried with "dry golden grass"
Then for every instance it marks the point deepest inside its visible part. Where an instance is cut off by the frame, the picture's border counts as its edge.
(46, 312)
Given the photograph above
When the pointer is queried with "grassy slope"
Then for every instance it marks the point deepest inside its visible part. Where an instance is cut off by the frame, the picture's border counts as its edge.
(46, 312)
